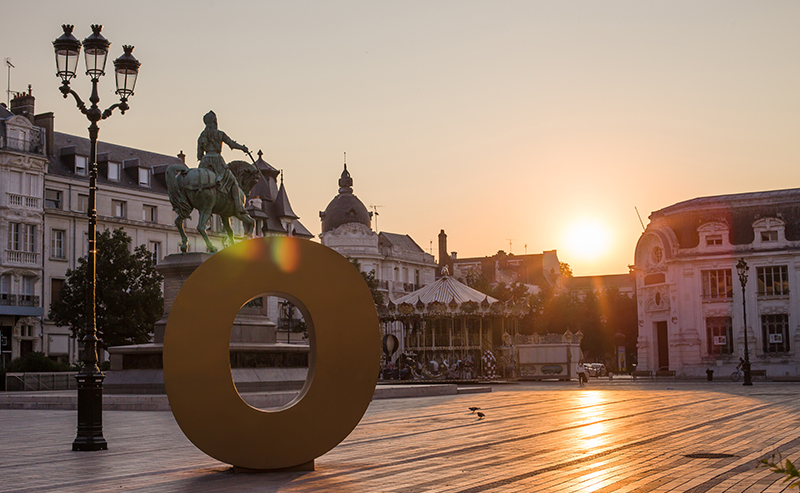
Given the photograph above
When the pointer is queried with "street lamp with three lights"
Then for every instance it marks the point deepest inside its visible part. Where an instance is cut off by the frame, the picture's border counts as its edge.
(126, 67)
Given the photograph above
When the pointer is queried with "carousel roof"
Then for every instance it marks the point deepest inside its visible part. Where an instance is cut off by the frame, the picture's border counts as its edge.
(445, 290)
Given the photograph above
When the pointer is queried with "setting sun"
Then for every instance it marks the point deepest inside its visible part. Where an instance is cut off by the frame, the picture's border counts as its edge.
(586, 239)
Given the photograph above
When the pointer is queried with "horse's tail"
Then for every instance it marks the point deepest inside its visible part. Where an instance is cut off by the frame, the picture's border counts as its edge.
(177, 191)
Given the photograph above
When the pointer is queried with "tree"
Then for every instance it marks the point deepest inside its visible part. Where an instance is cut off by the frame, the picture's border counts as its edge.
(371, 280)
(566, 270)
(128, 291)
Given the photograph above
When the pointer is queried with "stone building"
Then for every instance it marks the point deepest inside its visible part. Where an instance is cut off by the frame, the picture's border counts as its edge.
(537, 271)
(44, 175)
(23, 163)
(400, 265)
(689, 294)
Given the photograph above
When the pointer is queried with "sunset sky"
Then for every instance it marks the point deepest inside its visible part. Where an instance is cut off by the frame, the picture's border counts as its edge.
(504, 123)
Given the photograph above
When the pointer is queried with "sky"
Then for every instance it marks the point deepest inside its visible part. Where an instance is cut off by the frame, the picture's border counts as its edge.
(521, 126)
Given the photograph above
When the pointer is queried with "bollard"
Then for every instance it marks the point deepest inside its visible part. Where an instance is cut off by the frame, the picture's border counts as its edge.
(710, 374)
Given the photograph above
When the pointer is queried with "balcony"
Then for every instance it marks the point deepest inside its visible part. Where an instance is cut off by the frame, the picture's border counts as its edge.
(25, 201)
(22, 258)
(33, 145)
(19, 300)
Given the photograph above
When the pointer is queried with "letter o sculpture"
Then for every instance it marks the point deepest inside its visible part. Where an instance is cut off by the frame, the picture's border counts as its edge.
(344, 359)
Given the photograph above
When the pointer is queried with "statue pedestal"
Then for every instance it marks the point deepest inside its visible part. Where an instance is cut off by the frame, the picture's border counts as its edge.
(258, 362)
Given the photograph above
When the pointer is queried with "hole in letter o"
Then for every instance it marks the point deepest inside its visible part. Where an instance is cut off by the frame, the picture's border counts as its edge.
(343, 361)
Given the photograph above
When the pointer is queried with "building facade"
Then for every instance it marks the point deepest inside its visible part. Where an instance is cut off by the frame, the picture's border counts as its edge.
(400, 265)
(43, 211)
(23, 163)
(690, 302)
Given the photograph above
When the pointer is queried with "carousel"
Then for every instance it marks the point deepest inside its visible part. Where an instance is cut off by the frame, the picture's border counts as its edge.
(449, 331)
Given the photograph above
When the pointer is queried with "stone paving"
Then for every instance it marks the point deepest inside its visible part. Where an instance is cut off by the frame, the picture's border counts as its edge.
(553, 437)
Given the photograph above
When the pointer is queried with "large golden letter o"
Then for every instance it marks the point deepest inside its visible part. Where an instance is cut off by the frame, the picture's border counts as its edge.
(343, 361)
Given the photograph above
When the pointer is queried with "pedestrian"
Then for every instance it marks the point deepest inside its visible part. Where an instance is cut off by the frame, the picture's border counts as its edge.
(581, 370)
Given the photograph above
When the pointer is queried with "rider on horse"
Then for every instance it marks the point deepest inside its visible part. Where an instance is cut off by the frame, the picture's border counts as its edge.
(209, 149)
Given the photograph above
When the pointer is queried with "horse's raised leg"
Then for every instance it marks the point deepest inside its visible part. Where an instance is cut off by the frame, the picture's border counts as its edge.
(201, 228)
(184, 241)
(226, 225)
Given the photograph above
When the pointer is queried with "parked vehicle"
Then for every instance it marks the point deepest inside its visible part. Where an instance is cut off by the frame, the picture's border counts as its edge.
(596, 369)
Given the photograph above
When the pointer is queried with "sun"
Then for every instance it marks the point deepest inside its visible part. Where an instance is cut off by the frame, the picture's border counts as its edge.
(587, 239)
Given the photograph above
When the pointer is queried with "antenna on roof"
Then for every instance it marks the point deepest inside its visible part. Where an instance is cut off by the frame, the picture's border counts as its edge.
(640, 218)
(8, 87)
(509, 240)
(375, 214)
(526, 248)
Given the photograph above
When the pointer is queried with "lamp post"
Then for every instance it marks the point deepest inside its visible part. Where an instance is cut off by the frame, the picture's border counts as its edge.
(126, 67)
(741, 269)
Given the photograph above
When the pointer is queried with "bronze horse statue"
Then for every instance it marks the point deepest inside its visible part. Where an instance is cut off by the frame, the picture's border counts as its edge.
(196, 188)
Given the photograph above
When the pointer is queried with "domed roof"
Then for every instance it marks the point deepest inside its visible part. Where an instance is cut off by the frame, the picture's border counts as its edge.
(344, 208)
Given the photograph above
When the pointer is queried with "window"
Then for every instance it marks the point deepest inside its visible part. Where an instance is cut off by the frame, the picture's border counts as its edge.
(13, 236)
(717, 284)
(28, 286)
(720, 335)
(775, 333)
(773, 280)
(80, 165)
(713, 240)
(5, 287)
(22, 237)
(118, 208)
(144, 177)
(31, 185)
(52, 198)
(155, 249)
(83, 203)
(56, 285)
(150, 213)
(767, 236)
(57, 243)
(113, 171)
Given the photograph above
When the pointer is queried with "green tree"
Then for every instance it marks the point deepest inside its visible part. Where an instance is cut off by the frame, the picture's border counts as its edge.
(128, 291)
(371, 280)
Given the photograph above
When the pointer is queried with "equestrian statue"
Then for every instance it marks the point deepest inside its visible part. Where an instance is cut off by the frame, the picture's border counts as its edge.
(213, 187)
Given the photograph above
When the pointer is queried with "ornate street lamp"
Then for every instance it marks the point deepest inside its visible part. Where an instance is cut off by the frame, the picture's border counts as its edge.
(67, 48)
(741, 269)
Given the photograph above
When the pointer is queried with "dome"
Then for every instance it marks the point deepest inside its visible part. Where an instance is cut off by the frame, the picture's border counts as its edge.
(344, 208)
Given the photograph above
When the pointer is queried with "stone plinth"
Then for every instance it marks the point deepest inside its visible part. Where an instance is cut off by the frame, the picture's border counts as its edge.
(258, 362)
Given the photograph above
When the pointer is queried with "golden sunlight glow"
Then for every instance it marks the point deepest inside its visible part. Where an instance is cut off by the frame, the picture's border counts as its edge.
(586, 239)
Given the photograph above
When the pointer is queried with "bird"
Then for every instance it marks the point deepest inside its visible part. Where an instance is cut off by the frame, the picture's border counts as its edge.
(480, 415)
(473, 409)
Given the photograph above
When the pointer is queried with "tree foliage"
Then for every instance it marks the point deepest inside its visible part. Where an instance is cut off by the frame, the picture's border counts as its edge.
(371, 280)
(128, 291)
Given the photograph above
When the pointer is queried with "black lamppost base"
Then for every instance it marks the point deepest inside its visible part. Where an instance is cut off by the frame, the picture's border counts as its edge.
(90, 412)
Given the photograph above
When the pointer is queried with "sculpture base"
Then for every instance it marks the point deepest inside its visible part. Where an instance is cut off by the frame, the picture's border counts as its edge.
(255, 367)
(308, 466)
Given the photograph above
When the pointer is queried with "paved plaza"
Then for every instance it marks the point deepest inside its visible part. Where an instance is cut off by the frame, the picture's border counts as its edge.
(611, 436)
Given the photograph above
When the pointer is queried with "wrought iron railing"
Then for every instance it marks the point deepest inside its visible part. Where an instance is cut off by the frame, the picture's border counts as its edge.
(19, 300)
(34, 144)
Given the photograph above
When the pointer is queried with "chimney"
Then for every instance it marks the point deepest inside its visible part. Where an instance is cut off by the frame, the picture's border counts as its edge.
(442, 249)
(23, 105)
(47, 122)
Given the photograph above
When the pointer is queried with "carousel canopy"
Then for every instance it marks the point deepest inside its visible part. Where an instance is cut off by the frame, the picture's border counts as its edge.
(445, 290)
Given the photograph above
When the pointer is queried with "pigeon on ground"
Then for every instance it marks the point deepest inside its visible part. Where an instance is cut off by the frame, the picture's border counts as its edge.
(480, 415)
(473, 409)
